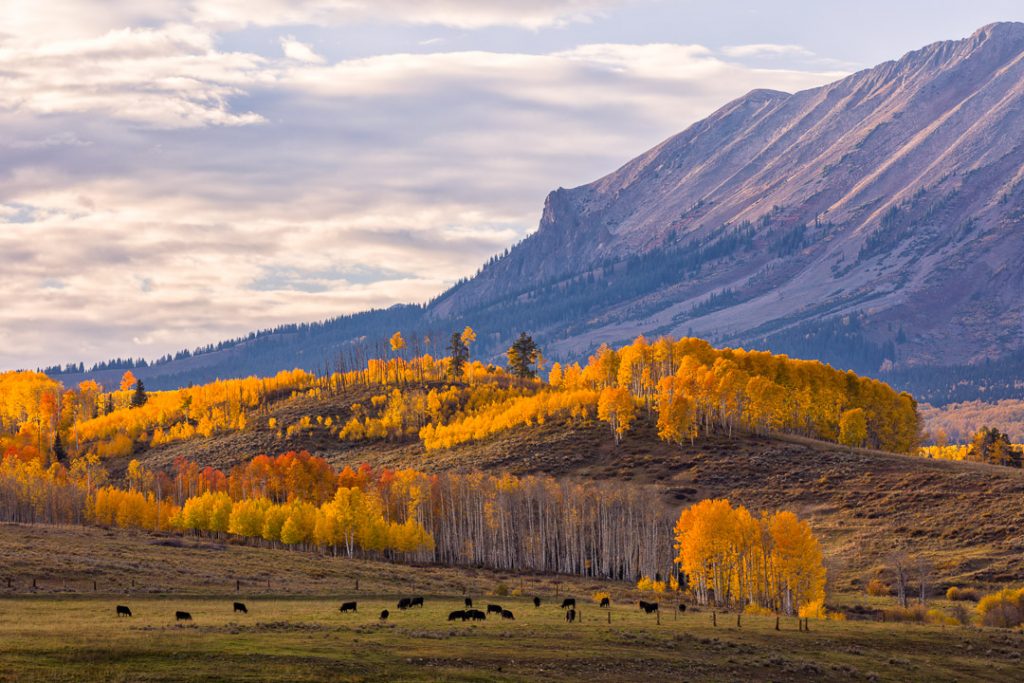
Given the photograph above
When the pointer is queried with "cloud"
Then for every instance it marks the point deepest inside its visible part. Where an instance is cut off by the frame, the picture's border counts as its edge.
(63, 19)
(169, 77)
(766, 50)
(300, 52)
(181, 192)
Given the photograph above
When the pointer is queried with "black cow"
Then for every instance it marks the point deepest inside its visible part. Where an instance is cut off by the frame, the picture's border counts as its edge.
(404, 603)
(568, 602)
(123, 611)
(416, 602)
(384, 614)
(494, 609)
(682, 607)
(536, 601)
(570, 616)
(240, 607)
(506, 614)
(606, 602)
(182, 616)
(347, 607)
(469, 602)
(650, 607)
(457, 614)
(474, 615)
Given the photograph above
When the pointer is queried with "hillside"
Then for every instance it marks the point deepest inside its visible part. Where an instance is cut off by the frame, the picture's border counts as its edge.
(960, 421)
(965, 517)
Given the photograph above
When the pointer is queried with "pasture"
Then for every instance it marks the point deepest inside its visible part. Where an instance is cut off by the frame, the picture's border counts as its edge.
(64, 630)
(79, 638)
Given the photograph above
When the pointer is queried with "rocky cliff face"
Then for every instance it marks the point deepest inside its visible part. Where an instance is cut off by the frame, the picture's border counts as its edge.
(882, 212)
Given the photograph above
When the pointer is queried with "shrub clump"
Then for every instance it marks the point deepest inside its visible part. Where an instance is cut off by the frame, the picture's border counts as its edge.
(878, 588)
(956, 593)
(1004, 609)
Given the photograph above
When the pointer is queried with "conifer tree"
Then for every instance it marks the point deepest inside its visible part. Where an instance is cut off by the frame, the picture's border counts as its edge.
(140, 397)
(522, 356)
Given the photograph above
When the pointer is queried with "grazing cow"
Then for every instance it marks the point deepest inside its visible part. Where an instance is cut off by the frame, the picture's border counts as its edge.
(123, 611)
(384, 614)
(494, 609)
(240, 607)
(650, 607)
(182, 616)
(347, 607)
(404, 603)
(469, 602)
(643, 605)
(416, 602)
(506, 614)
(474, 615)
(606, 602)
(682, 607)
(536, 601)
(568, 602)
(570, 616)
(457, 614)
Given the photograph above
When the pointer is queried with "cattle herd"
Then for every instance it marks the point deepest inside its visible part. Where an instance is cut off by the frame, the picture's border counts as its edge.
(467, 614)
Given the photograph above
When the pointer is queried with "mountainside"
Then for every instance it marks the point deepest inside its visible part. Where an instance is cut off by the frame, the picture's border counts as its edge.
(889, 201)
(873, 223)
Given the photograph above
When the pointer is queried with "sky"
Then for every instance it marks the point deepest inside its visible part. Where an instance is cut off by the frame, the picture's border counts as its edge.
(177, 172)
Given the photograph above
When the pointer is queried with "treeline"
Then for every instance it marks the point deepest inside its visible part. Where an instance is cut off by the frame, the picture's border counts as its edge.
(297, 500)
(694, 388)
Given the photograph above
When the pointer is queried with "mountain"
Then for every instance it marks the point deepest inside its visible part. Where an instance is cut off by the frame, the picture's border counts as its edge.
(890, 200)
(874, 223)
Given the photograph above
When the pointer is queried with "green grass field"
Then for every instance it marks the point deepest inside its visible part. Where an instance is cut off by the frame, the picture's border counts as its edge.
(64, 630)
(47, 638)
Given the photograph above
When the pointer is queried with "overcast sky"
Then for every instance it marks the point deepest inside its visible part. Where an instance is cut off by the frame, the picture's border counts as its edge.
(177, 172)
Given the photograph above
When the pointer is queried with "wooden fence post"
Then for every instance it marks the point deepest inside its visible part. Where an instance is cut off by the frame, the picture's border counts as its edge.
(714, 618)
(609, 616)
(776, 622)
(738, 615)
(238, 585)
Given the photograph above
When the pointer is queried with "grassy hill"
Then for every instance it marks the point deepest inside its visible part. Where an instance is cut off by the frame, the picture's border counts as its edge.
(964, 518)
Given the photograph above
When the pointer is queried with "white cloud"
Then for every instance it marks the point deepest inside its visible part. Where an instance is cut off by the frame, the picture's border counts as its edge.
(300, 52)
(766, 50)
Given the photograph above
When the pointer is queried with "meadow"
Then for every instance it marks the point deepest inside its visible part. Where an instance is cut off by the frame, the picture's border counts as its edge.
(65, 630)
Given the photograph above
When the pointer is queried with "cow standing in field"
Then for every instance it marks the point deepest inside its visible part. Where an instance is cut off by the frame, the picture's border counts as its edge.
(182, 616)
(469, 602)
(404, 603)
(416, 602)
(384, 615)
(606, 602)
(123, 611)
(474, 615)
(347, 607)
(536, 601)
(507, 614)
(494, 609)
(240, 607)
(570, 616)
(682, 607)
(569, 602)
(457, 614)
(650, 607)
